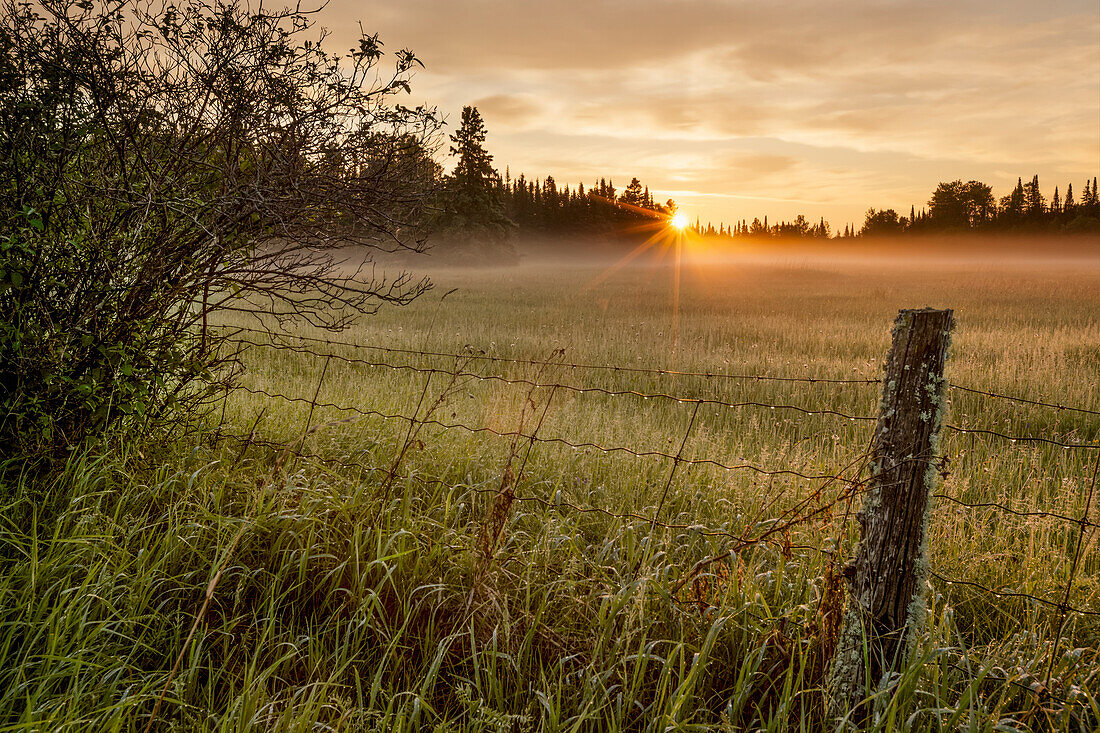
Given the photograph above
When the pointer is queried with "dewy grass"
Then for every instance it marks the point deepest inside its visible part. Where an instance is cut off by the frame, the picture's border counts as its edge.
(347, 605)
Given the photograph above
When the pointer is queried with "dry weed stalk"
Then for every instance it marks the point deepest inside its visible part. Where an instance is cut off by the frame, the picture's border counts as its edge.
(492, 529)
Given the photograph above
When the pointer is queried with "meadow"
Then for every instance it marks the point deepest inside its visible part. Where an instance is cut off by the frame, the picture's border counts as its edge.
(350, 569)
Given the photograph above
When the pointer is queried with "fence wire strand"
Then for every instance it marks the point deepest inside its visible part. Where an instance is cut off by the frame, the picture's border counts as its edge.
(655, 371)
(682, 399)
(481, 356)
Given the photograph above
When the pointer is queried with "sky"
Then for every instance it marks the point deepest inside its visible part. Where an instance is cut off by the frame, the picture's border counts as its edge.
(741, 108)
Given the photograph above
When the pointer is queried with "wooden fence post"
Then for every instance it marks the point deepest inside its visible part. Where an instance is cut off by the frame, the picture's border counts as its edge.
(887, 574)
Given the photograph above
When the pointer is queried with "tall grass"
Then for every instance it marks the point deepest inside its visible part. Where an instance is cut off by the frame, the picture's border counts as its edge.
(341, 611)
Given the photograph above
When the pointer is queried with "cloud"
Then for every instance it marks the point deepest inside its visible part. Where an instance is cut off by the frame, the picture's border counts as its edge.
(760, 164)
(509, 111)
(869, 102)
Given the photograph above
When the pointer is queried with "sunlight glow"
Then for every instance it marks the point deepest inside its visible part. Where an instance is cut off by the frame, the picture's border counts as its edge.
(669, 235)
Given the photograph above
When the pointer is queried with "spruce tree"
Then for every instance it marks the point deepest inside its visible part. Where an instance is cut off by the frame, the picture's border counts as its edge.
(633, 195)
(475, 166)
(473, 206)
(1033, 198)
(1012, 205)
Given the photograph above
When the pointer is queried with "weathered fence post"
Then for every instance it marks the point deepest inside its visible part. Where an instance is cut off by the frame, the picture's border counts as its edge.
(887, 574)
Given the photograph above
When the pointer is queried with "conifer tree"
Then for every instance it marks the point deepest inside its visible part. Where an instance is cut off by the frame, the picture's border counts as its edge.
(473, 205)
(1033, 198)
(633, 195)
(475, 164)
(1012, 205)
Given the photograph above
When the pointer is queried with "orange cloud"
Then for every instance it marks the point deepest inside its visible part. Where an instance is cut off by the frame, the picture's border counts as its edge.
(857, 104)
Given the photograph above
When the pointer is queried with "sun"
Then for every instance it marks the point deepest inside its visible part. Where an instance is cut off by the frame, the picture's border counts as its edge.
(678, 221)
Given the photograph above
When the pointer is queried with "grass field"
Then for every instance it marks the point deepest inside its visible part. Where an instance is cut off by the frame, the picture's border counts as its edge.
(378, 582)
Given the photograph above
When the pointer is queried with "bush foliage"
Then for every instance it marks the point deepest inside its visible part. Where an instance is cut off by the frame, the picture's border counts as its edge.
(161, 165)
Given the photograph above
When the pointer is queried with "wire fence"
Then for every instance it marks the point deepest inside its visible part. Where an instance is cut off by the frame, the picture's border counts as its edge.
(785, 519)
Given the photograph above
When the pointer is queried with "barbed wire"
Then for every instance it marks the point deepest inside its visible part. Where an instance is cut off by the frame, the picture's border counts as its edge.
(1014, 594)
(1022, 438)
(1073, 569)
(636, 393)
(1010, 398)
(556, 503)
(538, 439)
(630, 451)
(645, 370)
(801, 513)
(281, 446)
(1008, 681)
(566, 387)
(658, 395)
(995, 505)
(479, 356)
(699, 529)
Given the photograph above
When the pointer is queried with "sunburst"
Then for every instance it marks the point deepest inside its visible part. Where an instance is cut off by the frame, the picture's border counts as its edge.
(670, 233)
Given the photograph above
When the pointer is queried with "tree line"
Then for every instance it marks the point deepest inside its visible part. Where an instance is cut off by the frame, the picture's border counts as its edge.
(958, 207)
(543, 206)
(477, 200)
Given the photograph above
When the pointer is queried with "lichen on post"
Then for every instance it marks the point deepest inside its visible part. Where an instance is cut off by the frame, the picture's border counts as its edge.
(889, 569)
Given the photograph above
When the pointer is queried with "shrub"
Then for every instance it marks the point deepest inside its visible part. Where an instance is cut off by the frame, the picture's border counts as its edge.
(161, 165)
